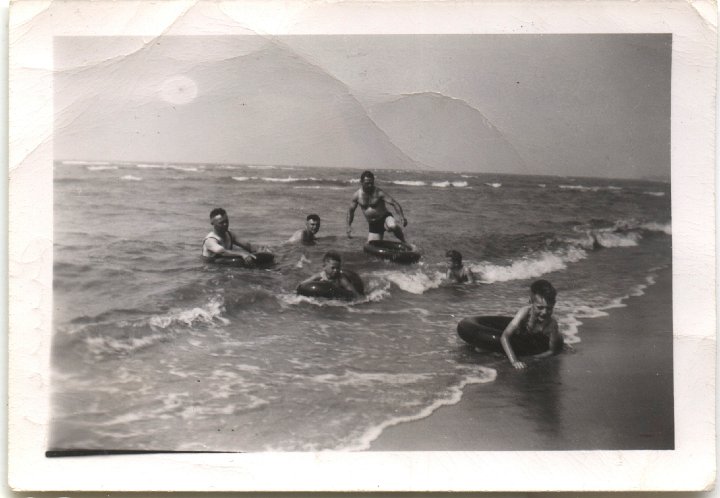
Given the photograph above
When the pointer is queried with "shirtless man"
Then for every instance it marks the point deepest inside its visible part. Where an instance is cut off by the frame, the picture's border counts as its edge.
(333, 272)
(220, 242)
(307, 235)
(456, 271)
(372, 201)
(535, 322)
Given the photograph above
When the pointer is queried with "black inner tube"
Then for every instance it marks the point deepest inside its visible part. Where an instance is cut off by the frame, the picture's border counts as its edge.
(393, 251)
(323, 289)
(330, 290)
(484, 332)
(262, 259)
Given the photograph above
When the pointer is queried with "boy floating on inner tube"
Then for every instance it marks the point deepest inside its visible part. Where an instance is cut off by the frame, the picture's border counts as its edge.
(535, 322)
(333, 272)
(306, 235)
(456, 271)
(220, 242)
(372, 201)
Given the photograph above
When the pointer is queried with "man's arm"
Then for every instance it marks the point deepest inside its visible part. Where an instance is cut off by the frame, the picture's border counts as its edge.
(507, 334)
(469, 275)
(315, 278)
(556, 342)
(351, 213)
(346, 284)
(395, 204)
(250, 248)
(214, 247)
(296, 237)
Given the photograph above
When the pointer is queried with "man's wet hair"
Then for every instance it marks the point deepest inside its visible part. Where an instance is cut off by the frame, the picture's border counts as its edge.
(366, 174)
(313, 217)
(454, 255)
(217, 211)
(544, 289)
(332, 255)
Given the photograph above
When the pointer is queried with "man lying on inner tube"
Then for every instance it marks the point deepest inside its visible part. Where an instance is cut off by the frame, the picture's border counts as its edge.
(535, 320)
(220, 242)
(372, 202)
(332, 272)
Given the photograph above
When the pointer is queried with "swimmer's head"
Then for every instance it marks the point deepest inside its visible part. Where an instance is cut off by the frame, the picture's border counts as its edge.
(367, 180)
(542, 299)
(219, 220)
(332, 264)
(454, 258)
(312, 222)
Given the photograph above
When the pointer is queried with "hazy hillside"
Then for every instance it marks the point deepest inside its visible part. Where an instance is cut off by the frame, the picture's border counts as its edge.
(446, 134)
(265, 106)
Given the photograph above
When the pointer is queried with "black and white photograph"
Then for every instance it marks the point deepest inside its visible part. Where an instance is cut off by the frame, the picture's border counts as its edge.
(360, 243)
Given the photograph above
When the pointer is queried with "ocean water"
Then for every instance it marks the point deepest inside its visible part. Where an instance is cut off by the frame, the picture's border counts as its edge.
(153, 349)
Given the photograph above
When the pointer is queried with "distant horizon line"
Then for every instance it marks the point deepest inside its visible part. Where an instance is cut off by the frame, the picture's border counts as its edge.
(98, 162)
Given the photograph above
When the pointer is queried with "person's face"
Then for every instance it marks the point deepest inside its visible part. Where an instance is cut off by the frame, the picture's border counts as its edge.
(543, 311)
(332, 268)
(368, 183)
(313, 226)
(453, 264)
(221, 223)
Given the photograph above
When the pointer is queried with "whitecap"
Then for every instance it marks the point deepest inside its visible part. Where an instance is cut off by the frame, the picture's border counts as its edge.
(210, 312)
(167, 166)
(318, 187)
(84, 163)
(529, 267)
(409, 183)
(415, 283)
(101, 168)
(289, 179)
(658, 227)
(444, 184)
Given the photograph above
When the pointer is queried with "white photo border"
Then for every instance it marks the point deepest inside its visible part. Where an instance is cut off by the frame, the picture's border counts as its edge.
(690, 466)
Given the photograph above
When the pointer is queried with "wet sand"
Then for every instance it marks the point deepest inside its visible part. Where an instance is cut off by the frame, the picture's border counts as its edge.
(614, 390)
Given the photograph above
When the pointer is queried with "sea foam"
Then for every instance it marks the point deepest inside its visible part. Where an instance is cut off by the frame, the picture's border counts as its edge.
(409, 183)
(529, 267)
(445, 184)
(101, 168)
(415, 283)
(480, 375)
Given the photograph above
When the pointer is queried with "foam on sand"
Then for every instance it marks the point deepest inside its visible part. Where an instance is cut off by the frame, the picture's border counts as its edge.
(480, 375)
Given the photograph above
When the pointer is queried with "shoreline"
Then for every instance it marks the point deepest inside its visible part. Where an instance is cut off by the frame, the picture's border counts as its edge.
(613, 391)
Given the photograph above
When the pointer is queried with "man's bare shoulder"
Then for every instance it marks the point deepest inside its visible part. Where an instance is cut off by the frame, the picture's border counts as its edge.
(296, 236)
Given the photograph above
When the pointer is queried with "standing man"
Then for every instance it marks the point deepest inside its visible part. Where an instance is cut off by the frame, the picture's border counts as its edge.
(220, 242)
(373, 201)
(307, 235)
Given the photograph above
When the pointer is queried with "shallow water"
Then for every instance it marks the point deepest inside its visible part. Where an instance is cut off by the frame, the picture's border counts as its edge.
(154, 349)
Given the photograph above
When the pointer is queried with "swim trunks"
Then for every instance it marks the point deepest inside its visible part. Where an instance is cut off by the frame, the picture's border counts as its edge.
(378, 226)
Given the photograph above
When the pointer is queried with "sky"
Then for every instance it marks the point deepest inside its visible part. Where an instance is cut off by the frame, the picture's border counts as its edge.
(568, 105)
